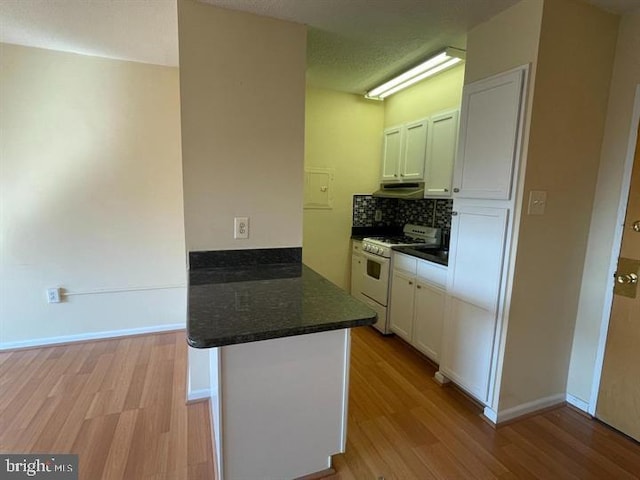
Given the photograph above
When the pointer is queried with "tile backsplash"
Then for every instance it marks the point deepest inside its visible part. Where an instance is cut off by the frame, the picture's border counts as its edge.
(396, 212)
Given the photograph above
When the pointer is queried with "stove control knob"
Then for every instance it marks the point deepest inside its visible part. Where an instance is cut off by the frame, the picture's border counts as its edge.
(378, 250)
(367, 247)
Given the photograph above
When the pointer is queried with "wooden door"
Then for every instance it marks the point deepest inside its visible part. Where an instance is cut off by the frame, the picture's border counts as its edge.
(619, 395)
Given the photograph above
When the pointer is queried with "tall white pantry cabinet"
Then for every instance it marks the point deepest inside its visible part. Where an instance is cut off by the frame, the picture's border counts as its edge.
(484, 189)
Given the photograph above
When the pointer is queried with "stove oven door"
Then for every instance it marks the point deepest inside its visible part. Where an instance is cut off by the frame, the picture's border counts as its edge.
(375, 279)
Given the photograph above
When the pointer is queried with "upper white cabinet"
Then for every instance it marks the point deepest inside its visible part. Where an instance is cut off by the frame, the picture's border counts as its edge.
(404, 152)
(478, 236)
(391, 153)
(415, 148)
(489, 137)
(441, 153)
(422, 150)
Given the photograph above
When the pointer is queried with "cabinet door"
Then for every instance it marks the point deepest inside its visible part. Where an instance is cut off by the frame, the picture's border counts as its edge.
(489, 136)
(392, 153)
(477, 250)
(428, 321)
(441, 154)
(401, 311)
(357, 268)
(415, 150)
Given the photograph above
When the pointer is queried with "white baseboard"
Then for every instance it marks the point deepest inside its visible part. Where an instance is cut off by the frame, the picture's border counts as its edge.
(83, 337)
(523, 409)
(491, 415)
(440, 378)
(198, 395)
(576, 402)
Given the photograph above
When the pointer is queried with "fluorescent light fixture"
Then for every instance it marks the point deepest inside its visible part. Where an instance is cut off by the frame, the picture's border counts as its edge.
(436, 64)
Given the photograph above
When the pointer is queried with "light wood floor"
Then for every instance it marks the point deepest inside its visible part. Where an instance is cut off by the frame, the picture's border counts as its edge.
(119, 404)
(402, 425)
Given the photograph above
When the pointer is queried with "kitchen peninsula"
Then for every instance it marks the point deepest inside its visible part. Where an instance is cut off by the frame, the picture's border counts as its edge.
(279, 339)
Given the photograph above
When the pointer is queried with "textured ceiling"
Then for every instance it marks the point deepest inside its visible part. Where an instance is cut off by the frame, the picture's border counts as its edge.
(352, 44)
(139, 30)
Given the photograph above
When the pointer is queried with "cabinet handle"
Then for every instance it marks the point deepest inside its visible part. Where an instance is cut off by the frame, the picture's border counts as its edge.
(456, 190)
(418, 287)
(402, 174)
(395, 174)
(453, 214)
(410, 283)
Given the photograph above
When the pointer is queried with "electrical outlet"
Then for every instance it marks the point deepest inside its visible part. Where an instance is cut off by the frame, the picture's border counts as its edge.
(53, 295)
(241, 227)
(537, 202)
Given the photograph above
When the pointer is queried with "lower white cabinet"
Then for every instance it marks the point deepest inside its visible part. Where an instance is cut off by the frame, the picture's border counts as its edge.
(402, 300)
(478, 236)
(357, 268)
(428, 320)
(417, 303)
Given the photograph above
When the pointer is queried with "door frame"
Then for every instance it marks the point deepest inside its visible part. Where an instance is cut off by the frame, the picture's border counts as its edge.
(615, 252)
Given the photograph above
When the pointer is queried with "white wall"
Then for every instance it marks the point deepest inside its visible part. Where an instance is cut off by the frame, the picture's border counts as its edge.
(242, 82)
(91, 196)
(506, 41)
(596, 280)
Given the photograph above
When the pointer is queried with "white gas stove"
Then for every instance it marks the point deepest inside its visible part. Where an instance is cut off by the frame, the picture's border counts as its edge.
(377, 266)
(412, 235)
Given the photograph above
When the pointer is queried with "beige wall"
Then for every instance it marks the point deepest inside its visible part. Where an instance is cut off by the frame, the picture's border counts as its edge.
(442, 92)
(242, 83)
(343, 132)
(570, 99)
(242, 88)
(506, 41)
(91, 196)
(596, 279)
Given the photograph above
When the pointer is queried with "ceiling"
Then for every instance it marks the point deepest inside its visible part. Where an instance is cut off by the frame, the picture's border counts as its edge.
(352, 44)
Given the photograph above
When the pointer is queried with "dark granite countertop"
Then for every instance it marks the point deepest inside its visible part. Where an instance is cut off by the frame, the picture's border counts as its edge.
(435, 255)
(230, 305)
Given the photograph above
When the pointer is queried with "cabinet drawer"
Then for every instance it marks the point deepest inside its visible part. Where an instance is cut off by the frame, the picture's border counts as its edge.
(356, 246)
(432, 273)
(405, 263)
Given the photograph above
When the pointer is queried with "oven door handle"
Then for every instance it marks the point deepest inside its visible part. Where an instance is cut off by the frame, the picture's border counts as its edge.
(376, 258)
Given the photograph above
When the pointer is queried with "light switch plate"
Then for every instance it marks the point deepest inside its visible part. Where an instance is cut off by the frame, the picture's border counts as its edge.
(537, 202)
